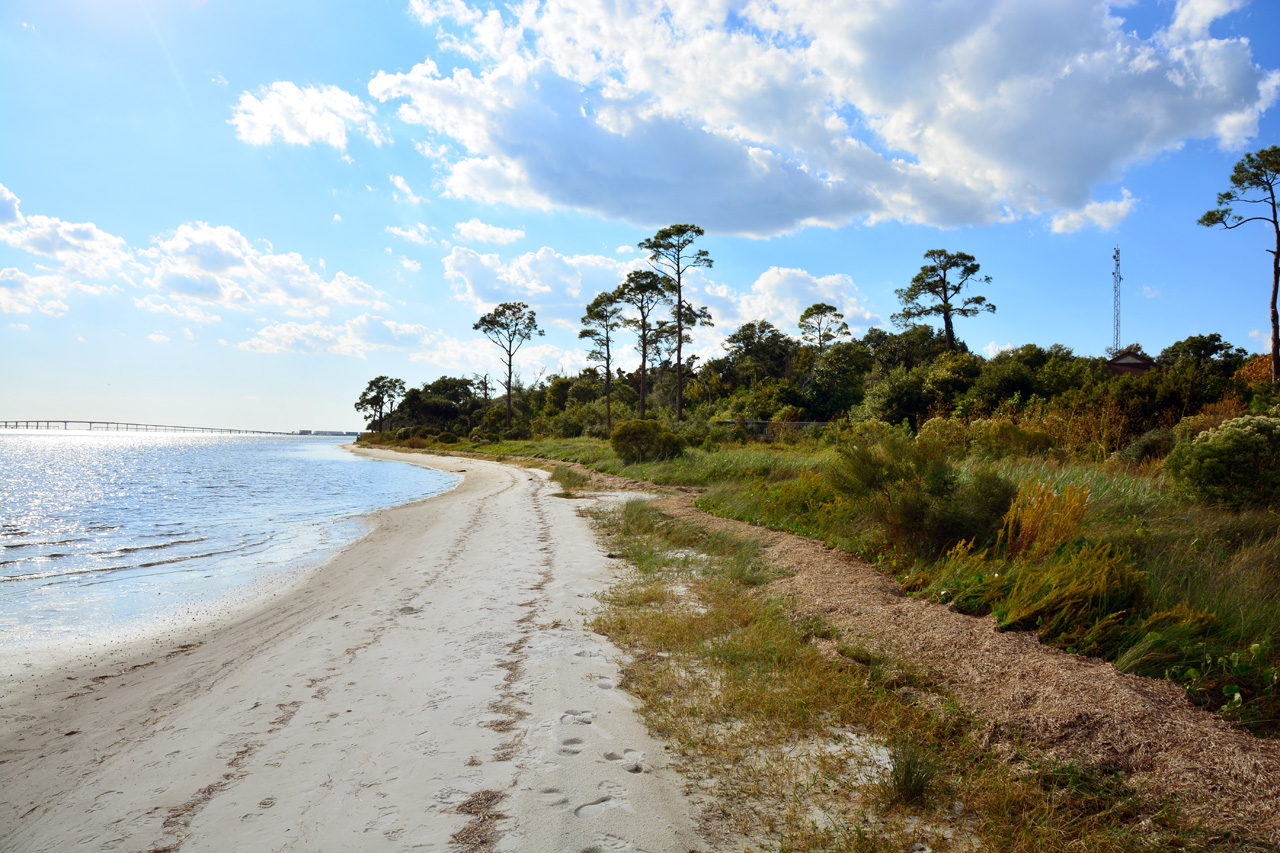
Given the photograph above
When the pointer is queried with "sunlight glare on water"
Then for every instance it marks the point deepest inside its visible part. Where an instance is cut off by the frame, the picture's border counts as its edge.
(107, 533)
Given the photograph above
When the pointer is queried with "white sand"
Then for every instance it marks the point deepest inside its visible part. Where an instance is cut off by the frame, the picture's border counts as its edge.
(442, 656)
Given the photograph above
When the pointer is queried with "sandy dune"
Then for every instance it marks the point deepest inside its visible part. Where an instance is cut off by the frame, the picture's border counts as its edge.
(431, 685)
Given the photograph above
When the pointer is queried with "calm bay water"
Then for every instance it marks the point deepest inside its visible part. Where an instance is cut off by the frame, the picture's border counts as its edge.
(106, 534)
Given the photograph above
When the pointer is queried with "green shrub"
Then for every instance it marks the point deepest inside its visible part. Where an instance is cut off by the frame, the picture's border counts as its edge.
(996, 439)
(1150, 445)
(423, 432)
(447, 438)
(644, 441)
(404, 434)
(517, 433)
(925, 502)
(1236, 464)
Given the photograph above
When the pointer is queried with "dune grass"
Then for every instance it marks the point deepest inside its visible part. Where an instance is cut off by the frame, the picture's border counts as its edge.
(1191, 593)
(809, 743)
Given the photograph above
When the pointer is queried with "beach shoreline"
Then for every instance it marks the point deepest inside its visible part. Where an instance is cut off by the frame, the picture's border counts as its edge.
(432, 684)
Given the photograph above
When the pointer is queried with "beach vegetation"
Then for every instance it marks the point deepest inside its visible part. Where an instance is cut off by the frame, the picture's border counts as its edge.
(935, 462)
(809, 742)
(644, 441)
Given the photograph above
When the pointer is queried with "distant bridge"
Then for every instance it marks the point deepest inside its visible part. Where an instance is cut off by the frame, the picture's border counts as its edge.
(118, 426)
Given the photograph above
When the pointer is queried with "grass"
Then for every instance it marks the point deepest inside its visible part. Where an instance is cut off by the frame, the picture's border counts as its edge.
(1218, 572)
(806, 740)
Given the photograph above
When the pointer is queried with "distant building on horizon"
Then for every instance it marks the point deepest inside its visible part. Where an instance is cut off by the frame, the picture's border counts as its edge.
(1134, 363)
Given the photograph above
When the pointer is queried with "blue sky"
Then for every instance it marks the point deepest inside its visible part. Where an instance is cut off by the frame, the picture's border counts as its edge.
(237, 213)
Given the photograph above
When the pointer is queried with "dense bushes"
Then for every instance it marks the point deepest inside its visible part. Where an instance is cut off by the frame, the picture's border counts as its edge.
(644, 441)
(1237, 464)
(926, 502)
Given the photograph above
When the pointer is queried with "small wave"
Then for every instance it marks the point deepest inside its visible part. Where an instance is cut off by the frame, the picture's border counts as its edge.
(71, 573)
(37, 544)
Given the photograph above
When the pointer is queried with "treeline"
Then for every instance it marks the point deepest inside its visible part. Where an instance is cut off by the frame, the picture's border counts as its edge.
(910, 376)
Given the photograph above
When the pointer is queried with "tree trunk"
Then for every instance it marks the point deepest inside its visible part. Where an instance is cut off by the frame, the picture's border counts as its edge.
(951, 335)
(508, 391)
(679, 349)
(644, 387)
(1275, 316)
(608, 401)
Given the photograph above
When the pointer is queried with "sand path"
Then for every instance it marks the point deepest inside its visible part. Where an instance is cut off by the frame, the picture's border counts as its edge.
(432, 687)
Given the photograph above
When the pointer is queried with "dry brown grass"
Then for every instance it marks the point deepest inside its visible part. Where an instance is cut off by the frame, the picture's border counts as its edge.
(783, 718)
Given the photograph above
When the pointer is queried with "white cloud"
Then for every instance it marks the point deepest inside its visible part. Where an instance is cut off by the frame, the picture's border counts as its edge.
(402, 191)
(9, 214)
(625, 250)
(1191, 18)
(559, 284)
(300, 116)
(337, 217)
(993, 349)
(780, 296)
(185, 309)
(200, 266)
(1150, 292)
(82, 247)
(769, 116)
(188, 334)
(218, 80)
(20, 327)
(410, 264)
(474, 229)
(1100, 214)
(158, 338)
(418, 233)
(21, 293)
(355, 338)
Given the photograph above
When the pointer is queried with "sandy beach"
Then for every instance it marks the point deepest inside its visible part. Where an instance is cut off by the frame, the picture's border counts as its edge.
(432, 687)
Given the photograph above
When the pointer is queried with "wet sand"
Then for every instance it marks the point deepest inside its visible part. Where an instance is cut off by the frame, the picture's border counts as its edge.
(432, 687)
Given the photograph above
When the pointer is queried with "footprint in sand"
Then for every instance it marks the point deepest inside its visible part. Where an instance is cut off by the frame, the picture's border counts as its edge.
(553, 797)
(614, 795)
(577, 718)
(603, 683)
(571, 746)
(630, 760)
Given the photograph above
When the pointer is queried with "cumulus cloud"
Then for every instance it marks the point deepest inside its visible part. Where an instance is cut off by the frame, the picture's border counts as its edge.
(402, 191)
(9, 214)
(780, 296)
(355, 338)
(207, 267)
(417, 233)
(81, 247)
(410, 264)
(21, 293)
(993, 349)
(769, 116)
(559, 284)
(1100, 214)
(480, 232)
(302, 115)
(158, 338)
(1191, 18)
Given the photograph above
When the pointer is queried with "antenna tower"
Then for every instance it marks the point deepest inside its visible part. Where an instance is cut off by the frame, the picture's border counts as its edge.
(1116, 279)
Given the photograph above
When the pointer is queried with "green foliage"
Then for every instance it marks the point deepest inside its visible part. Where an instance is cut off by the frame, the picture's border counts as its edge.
(934, 290)
(1153, 444)
(644, 441)
(447, 438)
(1235, 465)
(925, 502)
(899, 396)
(913, 771)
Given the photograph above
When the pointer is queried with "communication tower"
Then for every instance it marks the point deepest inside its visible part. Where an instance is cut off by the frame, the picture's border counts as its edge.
(1116, 279)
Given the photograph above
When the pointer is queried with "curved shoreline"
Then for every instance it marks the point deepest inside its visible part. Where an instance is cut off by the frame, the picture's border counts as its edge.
(439, 658)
